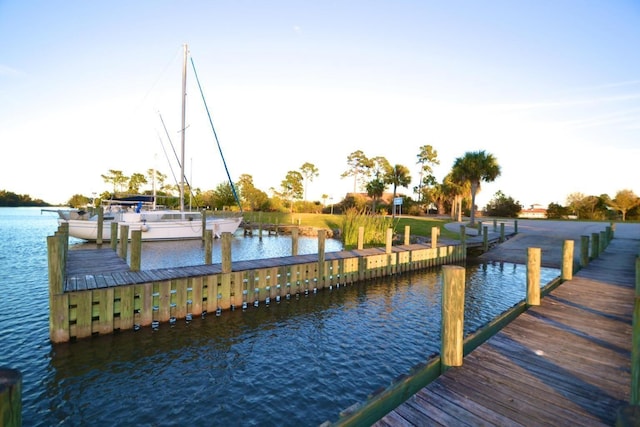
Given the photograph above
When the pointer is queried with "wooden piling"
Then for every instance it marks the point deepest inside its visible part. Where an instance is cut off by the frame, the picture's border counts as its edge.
(10, 397)
(294, 241)
(114, 236)
(452, 330)
(495, 225)
(320, 277)
(208, 247)
(435, 232)
(100, 225)
(501, 232)
(584, 251)
(360, 237)
(389, 240)
(136, 250)
(567, 260)
(515, 226)
(463, 236)
(603, 242)
(56, 264)
(485, 238)
(595, 245)
(203, 218)
(123, 242)
(226, 252)
(533, 275)
(407, 234)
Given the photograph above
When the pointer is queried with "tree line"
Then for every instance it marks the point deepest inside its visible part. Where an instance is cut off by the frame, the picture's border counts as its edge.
(10, 199)
(373, 176)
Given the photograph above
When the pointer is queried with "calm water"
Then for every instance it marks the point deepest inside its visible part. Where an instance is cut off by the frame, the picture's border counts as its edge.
(296, 363)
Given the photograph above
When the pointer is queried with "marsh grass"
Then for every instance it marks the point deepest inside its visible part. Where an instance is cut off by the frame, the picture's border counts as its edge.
(350, 222)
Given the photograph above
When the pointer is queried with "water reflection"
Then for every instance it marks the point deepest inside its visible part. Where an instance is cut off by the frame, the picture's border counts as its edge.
(298, 362)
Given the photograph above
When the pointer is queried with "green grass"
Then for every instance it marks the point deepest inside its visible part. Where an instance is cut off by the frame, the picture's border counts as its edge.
(420, 226)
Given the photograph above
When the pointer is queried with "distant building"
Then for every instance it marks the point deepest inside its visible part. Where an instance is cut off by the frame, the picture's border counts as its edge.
(534, 211)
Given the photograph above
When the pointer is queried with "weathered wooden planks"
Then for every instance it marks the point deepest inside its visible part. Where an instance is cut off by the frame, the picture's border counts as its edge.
(564, 362)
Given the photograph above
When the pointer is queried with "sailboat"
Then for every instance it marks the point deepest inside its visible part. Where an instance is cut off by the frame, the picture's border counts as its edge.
(141, 213)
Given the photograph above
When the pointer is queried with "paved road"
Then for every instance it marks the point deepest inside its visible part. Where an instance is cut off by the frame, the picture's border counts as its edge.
(549, 235)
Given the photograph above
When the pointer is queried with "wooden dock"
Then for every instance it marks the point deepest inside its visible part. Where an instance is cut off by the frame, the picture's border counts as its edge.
(564, 362)
(101, 268)
(95, 292)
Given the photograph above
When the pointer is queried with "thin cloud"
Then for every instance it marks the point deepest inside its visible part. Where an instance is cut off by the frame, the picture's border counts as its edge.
(567, 103)
(5, 70)
(609, 85)
(615, 118)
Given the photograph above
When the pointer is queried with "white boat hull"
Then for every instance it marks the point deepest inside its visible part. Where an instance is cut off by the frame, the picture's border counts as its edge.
(160, 230)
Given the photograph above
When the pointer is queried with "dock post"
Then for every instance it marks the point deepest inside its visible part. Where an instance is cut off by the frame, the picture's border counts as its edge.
(124, 241)
(407, 235)
(114, 236)
(10, 397)
(204, 223)
(584, 251)
(360, 237)
(501, 232)
(613, 229)
(435, 231)
(100, 226)
(226, 252)
(294, 241)
(452, 332)
(533, 276)
(567, 260)
(136, 249)
(58, 300)
(495, 225)
(485, 238)
(56, 266)
(208, 247)
(595, 245)
(389, 240)
(515, 226)
(603, 241)
(322, 234)
(63, 235)
(463, 237)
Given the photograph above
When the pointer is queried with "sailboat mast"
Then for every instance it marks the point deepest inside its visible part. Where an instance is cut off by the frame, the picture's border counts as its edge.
(184, 108)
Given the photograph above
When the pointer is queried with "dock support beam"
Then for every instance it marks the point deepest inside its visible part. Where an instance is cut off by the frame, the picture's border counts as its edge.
(452, 316)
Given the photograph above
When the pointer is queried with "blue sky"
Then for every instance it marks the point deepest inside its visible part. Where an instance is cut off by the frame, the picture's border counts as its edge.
(550, 88)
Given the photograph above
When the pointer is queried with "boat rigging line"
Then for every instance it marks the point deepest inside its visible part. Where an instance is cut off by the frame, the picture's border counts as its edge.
(176, 156)
(233, 188)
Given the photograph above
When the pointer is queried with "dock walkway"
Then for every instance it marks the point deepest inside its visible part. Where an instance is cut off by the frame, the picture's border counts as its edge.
(564, 362)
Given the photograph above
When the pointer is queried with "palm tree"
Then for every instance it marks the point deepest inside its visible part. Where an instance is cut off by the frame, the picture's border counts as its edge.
(399, 176)
(456, 192)
(472, 168)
